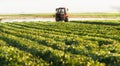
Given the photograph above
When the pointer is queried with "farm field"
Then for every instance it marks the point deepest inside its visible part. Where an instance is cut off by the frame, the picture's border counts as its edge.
(75, 43)
(51, 15)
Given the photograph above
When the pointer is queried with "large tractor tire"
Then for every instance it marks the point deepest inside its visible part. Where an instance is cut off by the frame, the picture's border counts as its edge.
(57, 19)
(66, 19)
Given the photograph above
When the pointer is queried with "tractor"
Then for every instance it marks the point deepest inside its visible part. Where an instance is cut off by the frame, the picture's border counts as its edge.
(61, 14)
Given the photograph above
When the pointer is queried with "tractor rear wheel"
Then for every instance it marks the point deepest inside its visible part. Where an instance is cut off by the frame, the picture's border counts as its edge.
(66, 19)
(57, 19)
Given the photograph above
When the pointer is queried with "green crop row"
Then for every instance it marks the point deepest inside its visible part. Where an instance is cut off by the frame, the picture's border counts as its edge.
(83, 43)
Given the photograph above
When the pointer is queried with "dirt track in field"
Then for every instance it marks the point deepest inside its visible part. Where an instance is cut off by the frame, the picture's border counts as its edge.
(52, 19)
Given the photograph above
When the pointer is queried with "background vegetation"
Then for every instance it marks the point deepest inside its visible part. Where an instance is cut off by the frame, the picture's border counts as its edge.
(71, 15)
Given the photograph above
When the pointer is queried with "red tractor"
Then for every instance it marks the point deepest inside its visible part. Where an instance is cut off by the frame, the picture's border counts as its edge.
(61, 14)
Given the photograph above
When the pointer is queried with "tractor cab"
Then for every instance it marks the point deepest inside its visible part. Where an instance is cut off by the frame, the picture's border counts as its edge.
(61, 14)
